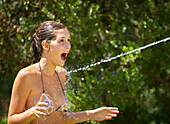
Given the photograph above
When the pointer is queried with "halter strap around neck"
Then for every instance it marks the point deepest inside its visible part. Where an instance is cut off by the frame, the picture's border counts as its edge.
(41, 78)
(43, 81)
(59, 81)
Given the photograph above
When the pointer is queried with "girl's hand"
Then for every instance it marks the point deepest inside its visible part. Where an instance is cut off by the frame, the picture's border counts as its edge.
(103, 113)
(40, 108)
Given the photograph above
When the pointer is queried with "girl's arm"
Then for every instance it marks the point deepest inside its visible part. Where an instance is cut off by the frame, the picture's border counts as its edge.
(20, 92)
(99, 114)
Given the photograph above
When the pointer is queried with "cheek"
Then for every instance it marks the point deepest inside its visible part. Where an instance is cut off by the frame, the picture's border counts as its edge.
(56, 50)
(53, 47)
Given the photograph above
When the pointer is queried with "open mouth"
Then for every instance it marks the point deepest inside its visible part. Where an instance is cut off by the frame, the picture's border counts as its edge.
(63, 56)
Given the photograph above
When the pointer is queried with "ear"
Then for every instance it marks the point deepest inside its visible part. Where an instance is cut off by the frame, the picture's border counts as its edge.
(45, 45)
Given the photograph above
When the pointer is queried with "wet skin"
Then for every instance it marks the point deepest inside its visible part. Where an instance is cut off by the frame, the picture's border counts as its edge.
(27, 88)
(27, 100)
(53, 90)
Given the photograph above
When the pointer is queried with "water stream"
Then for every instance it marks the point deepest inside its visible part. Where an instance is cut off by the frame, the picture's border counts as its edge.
(118, 56)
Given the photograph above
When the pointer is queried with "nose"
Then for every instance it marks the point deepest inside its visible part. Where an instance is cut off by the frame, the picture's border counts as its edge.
(68, 45)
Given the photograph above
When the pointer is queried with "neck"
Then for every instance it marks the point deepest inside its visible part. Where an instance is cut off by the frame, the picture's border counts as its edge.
(47, 67)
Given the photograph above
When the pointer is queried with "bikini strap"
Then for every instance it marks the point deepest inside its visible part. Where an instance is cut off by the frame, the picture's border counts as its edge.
(42, 78)
(60, 82)
(43, 82)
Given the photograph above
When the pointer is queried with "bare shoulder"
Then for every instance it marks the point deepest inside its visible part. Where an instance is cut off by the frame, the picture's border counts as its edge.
(26, 74)
(27, 71)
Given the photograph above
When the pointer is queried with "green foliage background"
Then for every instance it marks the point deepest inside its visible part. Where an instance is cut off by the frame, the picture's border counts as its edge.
(138, 84)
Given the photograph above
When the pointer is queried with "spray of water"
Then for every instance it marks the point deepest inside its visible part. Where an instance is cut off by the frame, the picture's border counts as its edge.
(118, 56)
(104, 61)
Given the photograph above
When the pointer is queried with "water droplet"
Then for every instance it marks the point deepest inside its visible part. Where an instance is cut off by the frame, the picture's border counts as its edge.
(91, 65)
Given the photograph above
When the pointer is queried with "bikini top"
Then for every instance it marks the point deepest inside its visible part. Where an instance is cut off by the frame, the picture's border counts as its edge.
(51, 108)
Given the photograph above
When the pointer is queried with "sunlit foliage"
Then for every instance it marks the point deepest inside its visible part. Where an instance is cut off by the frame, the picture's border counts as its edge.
(138, 84)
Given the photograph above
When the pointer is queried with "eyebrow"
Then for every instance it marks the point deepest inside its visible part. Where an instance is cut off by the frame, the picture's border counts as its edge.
(65, 37)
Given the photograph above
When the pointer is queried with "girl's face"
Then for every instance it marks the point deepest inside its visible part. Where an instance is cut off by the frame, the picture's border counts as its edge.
(60, 47)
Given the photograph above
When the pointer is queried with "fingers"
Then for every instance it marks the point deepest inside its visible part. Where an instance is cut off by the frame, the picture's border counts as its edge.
(42, 97)
(41, 108)
(108, 117)
(42, 104)
(39, 111)
(40, 115)
(111, 115)
(112, 108)
(111, 112)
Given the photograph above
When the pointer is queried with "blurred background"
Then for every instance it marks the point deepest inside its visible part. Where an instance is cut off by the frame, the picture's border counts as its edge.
(138, 83)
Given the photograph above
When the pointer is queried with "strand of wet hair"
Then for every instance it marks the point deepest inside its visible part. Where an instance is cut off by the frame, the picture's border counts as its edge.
(36, 54)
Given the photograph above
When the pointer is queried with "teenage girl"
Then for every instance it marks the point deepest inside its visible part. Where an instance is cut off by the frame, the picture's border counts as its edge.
(38, 90)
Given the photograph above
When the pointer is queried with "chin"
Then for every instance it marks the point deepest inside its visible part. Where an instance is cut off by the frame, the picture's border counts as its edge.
(60, 64)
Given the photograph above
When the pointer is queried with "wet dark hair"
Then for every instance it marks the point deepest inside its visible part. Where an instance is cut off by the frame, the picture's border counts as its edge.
(45, 32)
